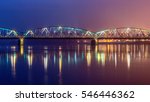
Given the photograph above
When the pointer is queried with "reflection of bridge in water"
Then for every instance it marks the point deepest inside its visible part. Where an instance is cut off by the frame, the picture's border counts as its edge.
(72, 32)
(105, 54)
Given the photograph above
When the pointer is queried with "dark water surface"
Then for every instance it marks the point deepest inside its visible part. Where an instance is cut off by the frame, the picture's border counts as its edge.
(69, 63)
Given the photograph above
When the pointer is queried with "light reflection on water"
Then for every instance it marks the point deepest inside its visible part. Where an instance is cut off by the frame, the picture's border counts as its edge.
(76, 64)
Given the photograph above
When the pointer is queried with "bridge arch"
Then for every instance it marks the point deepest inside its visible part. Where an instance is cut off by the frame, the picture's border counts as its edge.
(4, 32)
(74, 32)
(59, 32)
(124, 32)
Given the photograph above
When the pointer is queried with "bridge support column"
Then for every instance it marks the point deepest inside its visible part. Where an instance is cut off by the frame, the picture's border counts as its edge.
(21, 41)
(93, 41)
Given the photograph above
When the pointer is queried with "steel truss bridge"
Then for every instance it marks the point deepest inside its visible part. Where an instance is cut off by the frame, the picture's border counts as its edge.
(72, 32)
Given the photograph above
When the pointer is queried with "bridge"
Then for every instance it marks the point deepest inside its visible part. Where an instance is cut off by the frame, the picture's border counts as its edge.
(73, 32)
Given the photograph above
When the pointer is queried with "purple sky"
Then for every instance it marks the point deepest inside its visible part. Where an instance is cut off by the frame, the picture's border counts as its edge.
(90, 14)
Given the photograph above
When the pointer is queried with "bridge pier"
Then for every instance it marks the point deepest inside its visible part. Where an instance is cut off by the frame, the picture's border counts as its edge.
(21, 42)
(94, 42)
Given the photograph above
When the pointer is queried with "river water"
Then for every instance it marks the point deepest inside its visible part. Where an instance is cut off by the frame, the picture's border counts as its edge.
(69, 62)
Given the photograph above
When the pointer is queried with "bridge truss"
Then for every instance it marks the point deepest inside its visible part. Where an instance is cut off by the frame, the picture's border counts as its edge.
(59, 32)
(72, 32)
(123, 33)
(8, 33)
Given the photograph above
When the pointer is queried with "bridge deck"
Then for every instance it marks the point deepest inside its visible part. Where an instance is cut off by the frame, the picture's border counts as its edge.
(65, 38)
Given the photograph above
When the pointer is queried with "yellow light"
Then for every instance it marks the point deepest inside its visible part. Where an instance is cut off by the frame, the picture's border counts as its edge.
(21, 41)
(60, 62)
(30, 59)
(13, 63)
(21, 50)
(98, 57)
(88, 59)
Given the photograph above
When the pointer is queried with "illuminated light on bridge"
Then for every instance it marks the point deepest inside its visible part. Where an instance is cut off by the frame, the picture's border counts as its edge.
(29, 33)
(8, 33)
(74, 32)
(12, 33)
(45, 30)
(123, 33)
(60, 32)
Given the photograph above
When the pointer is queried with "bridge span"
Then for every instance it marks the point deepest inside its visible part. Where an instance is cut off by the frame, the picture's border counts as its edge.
(59, 32)
(73, 32)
